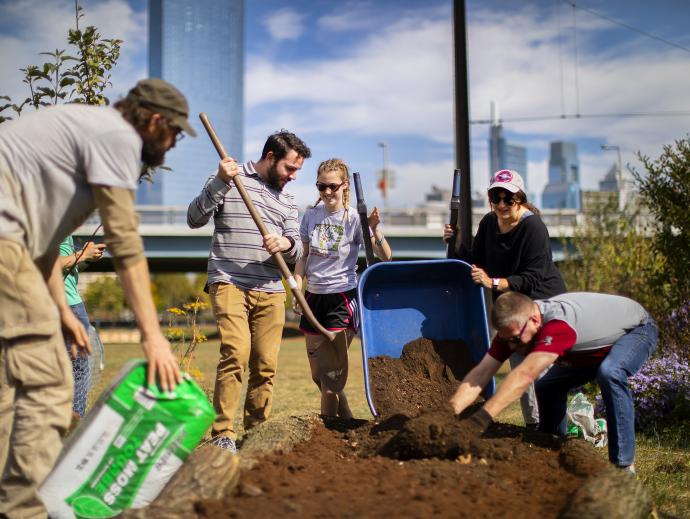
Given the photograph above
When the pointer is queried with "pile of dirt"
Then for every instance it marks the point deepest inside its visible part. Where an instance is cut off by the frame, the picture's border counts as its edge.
(419, 460)
(422, 379)
(335, 474)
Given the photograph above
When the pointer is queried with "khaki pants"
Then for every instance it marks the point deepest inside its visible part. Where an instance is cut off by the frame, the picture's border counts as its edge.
(35, 383)
(250, 324)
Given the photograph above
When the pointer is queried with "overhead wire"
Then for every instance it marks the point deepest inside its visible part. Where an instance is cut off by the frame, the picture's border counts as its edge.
(560, 54)
(630, 27)
(577, 114)
(678, 113)
(577, 82)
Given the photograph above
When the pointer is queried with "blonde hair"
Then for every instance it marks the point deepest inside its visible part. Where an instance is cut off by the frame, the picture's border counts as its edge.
(339, 166)
(510, 307)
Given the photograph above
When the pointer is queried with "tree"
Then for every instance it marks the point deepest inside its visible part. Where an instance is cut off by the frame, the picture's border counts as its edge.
(171, 290)
(84, 82)
(613, 253)
(665, 189)
(105, 299)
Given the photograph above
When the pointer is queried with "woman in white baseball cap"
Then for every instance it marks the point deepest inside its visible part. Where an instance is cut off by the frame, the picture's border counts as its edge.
(512, 251)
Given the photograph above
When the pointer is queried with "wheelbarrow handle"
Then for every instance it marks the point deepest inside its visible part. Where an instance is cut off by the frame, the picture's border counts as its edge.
(284, 270)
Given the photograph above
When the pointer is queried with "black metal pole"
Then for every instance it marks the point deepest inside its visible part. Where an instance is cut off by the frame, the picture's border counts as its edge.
(462, 122)
(363, 219)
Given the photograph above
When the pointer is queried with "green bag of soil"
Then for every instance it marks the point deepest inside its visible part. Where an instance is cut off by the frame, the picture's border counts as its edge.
(127, 448)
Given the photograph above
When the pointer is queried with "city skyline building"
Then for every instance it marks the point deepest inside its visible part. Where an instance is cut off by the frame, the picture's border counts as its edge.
(502, 154)
(563, 188)
(199, 48)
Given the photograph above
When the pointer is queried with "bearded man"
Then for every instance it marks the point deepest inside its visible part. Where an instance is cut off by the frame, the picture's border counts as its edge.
(244, 280)
(57, 166)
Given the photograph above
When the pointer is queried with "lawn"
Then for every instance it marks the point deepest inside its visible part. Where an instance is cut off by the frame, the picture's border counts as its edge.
(664, 471)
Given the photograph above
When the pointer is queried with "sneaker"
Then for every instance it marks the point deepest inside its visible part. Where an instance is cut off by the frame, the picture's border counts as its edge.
(225, 443)
(628, 468)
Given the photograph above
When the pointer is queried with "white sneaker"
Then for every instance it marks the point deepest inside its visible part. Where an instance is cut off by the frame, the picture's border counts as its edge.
(225, 443)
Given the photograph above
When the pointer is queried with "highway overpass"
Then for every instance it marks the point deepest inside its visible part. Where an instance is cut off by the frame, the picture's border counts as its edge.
(171, 246)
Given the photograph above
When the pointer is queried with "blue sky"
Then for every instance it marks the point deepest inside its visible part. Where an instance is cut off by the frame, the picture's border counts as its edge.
(346, 75)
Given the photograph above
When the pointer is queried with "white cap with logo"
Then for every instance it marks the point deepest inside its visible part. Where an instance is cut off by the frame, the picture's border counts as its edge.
(507, 179)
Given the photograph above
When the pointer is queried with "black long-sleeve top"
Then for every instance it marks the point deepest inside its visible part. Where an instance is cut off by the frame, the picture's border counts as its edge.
(521, 255)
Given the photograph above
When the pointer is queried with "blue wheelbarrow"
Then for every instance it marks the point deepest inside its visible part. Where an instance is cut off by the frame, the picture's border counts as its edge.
(403, 300)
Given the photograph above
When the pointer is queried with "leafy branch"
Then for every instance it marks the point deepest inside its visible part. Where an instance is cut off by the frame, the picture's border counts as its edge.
(55, 82)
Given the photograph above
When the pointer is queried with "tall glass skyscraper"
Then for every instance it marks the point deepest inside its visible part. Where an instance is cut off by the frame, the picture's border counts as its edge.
(563, 189)
(198, 46)
(502, 154)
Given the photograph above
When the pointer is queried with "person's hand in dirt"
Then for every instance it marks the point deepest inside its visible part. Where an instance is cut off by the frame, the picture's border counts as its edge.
(478, 422)
(162, 362)
(76, 333)
(92, 251)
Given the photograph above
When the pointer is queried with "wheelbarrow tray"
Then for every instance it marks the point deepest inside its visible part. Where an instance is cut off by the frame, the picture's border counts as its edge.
(403, 300)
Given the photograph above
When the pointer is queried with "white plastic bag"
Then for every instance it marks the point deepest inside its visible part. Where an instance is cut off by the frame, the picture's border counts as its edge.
(581, 422)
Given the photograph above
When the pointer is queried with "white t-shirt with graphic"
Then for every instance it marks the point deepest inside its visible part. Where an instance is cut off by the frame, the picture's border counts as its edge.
(334, 240)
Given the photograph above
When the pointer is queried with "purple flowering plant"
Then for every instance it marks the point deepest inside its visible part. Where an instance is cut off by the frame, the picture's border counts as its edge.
(661, 389)
(675, 331)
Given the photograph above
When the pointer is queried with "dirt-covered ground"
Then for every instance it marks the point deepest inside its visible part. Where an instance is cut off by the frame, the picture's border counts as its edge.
(418, 460)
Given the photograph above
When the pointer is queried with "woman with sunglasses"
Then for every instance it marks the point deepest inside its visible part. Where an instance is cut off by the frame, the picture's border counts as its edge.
(512, 252)
(332, 235)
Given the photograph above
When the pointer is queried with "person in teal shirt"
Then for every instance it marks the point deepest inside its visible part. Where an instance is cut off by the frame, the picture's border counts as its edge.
(71, 261)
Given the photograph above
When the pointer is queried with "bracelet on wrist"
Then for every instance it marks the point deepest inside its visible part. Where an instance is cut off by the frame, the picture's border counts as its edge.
(379, 242)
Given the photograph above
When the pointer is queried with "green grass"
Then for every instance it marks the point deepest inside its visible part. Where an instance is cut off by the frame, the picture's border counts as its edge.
(664, 471)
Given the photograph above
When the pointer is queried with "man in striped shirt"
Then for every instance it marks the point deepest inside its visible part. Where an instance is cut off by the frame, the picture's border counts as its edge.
(244, 280)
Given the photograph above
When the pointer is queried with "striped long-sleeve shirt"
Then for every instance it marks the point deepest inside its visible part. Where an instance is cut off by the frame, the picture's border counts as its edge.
(237, 255)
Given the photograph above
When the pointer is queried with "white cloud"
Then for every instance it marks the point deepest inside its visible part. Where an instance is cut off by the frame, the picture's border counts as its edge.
(285, 24)
(372, 89)
(398, 80)
(353, 18)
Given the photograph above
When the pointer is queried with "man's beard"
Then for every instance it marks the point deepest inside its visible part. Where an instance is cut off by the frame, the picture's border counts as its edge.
(273, 178)
(153, 153)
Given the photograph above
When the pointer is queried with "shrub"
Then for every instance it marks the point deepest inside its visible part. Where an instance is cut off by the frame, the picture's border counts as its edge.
(661, 394)
(675, 332)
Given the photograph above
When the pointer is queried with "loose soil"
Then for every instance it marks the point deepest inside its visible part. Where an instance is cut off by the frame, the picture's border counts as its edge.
(422, 379)
(419, 460)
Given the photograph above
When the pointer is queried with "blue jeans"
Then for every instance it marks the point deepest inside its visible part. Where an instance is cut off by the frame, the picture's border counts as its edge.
(623, 360)
(81, 370)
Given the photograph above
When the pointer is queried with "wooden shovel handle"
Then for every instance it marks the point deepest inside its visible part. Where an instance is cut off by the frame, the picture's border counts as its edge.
(284, 270)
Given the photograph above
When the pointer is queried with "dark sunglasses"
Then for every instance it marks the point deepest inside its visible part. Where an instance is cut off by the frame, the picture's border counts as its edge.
(516, 340)
(333, 187)
(496, 199)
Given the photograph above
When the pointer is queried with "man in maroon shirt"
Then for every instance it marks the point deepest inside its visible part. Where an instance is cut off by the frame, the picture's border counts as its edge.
(588, 337)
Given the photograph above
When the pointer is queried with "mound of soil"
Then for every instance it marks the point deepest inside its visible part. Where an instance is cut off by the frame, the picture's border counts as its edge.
(419, 460)
(336, 474)
(422, 379)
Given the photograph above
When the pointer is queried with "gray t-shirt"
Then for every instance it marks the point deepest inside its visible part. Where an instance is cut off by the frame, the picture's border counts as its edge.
(48, 162)
(597, 320)
(334, 240)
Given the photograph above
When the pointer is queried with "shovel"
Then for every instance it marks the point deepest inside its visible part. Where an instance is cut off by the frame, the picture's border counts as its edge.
(284, 270)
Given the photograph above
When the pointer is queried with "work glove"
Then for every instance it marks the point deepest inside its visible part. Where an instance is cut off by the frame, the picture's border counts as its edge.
(479, 421)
